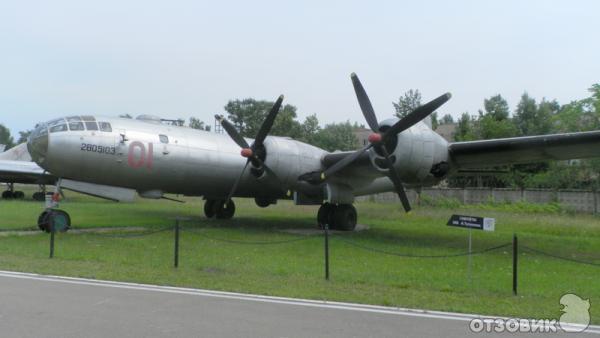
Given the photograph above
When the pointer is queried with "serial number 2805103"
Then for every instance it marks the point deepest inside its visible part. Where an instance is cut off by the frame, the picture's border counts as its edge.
(98, 149)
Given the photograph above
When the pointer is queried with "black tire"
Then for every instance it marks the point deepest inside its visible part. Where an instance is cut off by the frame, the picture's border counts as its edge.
(209, 208)
(345, 217)
(44, 221)
(324, 216)
(19, 195)
(224, 210)
(262, 202)
(38, 196)
(7, 195)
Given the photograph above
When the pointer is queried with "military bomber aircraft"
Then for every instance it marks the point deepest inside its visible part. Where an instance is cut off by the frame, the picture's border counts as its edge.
(114, 158)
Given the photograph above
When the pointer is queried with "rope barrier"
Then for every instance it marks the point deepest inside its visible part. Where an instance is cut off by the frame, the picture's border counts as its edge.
(364, 247)
(131, 235)
(203, 234)
(558, 257)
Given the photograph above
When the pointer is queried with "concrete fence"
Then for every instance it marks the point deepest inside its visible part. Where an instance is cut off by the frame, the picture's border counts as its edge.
(578, 200)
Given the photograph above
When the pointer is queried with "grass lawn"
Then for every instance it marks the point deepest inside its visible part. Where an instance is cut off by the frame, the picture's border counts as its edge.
(295, 269)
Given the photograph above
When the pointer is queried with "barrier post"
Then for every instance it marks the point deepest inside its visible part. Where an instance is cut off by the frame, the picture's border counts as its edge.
(515, 262)
(326, 227)
(51, 238)
(176, 253)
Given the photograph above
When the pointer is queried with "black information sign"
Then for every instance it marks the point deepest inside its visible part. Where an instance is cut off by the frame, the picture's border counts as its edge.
(472, 222)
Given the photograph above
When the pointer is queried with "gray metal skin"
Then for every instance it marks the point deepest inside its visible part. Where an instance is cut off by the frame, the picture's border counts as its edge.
(199, 163)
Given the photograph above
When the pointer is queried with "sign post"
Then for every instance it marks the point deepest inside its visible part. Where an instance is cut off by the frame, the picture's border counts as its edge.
(472, 222)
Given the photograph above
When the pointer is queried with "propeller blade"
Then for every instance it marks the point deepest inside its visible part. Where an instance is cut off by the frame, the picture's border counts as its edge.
(396, 180)
(365, 103)
(417, 115)
(235, 184)
(268, 123)
(232, 132)
(343, 162)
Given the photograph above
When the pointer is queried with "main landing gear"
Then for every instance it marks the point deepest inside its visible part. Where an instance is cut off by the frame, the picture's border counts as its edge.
(12, 194)
(337, 217)
(220, 209)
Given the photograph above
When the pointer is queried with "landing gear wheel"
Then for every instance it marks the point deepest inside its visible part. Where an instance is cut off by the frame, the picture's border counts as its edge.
(324, 216)
(344, 217)
(224, 210)
(38, 196)
(61, 220)
(54, 218)
(19, 195)
(209, 208)
(7, 195)
(44, 221)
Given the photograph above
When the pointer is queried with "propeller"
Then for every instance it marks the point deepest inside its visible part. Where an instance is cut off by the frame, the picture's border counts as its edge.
(379, 137)
(254, 153)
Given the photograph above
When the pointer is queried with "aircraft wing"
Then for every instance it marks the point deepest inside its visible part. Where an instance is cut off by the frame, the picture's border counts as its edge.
(528, 149)
(24, 172)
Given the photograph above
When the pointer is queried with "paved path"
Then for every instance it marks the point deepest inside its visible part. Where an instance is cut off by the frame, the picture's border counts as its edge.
(44, 306)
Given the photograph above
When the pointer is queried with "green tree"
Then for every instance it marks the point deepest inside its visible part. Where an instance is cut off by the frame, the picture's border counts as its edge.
(6, 138)
(407, 103)
(310, 129)
(23, 135)
(533, 119)
(336, 136)
(493, 121)
(497, 107)
(447, 119)
(490, 128)
(285, 123)
(195, 123)
(464, 128)
(248, 115)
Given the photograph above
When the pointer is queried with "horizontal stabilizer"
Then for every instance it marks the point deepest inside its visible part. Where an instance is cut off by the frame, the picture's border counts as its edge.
(16, 153)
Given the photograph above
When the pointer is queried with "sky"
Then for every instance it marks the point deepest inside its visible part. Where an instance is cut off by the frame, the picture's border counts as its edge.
(177, 59)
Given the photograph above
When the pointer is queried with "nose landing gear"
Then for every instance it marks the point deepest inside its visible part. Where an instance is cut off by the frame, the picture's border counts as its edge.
(338, 217)
(58, 220)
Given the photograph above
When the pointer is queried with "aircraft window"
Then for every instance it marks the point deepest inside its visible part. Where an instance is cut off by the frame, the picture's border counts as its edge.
(73, 119)
(55, 122)
(163, 138)
(60, 127)
(88, 118)
(40, 130)
(91, 126)
(105, 126)
(74, 126)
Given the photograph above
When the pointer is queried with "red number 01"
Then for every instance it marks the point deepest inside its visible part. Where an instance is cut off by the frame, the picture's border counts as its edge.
(143, 158)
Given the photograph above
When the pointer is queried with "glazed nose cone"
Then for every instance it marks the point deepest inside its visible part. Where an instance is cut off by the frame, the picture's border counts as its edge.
(37, 144)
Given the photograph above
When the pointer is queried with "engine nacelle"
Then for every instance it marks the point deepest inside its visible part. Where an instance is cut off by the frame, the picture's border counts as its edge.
(419, 154)
(290, 159)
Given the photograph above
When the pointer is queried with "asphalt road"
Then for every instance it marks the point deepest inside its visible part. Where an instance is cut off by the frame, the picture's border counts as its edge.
(43, 306)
